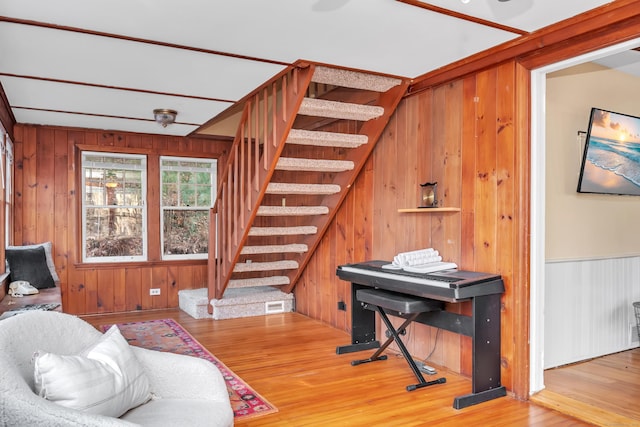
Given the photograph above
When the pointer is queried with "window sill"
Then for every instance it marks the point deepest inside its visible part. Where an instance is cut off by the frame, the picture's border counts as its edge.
(134, 264)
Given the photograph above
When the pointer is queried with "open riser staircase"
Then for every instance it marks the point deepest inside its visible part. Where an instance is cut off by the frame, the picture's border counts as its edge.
(302, 140)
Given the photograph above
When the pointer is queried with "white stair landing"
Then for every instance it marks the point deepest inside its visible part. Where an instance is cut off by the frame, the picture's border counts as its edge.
(253, 301)
(194, 302)
(238, 302)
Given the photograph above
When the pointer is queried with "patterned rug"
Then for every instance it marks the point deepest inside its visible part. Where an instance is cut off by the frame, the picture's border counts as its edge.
(168, 335)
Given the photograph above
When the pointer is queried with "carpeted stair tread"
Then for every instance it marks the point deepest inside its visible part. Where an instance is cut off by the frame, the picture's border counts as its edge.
(283, 231)
(275, 249)
(234, 296)
(326, 139)
(339, 110)
(292, 210)
(313, 165)
(259, 281)
(293, 188)
(354, 79)
(243, 267)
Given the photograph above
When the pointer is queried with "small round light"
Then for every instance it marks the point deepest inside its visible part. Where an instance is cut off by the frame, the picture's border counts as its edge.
(164, 116)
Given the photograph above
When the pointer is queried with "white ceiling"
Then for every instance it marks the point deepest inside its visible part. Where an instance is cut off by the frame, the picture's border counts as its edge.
(106, 64)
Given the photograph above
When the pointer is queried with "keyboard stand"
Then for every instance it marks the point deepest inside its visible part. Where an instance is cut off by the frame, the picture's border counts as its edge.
(377, 300)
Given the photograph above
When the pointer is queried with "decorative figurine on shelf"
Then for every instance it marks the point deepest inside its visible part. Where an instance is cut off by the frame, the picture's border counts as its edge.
(428, 197)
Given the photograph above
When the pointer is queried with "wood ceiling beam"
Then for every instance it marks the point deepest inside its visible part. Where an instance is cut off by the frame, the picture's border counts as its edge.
(137, 40)
(101, 86)
(464, 17)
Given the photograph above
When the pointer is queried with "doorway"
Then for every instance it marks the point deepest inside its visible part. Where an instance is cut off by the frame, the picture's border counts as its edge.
(538, 204)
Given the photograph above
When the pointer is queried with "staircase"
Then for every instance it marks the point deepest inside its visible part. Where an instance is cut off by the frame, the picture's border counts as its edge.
(301, 142)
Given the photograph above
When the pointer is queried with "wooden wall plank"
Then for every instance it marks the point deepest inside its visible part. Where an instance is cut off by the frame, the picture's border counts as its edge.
(184, 277)
(344, 254)
(20, 135)
(468, 173)
(105, 292)
(27, 196)
(119, 290)
(506, 201)
(44, 186)
(486, 180)
(91, 286)
(133, 284)
(73, 292)
(60, 203)
(159, 281)
(199, 276)
(146, 283)
(172, 286)
(385, 193)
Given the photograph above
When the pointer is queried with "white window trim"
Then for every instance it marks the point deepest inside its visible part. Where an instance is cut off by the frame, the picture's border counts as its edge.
(131, 258)
(214, 177)
(8, 190)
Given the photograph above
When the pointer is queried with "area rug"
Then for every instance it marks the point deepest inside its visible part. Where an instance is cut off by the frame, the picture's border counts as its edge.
(168, 335)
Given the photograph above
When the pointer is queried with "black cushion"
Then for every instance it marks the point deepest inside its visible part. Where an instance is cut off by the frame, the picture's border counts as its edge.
(401, 303)
(30, 265)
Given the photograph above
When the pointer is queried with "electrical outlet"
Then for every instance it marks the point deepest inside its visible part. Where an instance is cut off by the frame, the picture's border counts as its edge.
(154, 291)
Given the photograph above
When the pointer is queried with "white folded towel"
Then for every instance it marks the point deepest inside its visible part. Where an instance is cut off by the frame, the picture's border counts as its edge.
(422, 256)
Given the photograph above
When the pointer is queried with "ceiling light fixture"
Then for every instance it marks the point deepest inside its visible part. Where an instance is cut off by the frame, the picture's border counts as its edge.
(164, 116)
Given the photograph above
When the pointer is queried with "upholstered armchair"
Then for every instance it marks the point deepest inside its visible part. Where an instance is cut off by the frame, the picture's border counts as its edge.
(183, 390)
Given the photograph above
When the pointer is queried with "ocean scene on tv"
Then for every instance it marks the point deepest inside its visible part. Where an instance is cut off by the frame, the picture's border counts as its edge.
(612, 162)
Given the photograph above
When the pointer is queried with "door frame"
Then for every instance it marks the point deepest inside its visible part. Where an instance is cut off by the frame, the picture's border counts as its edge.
(537, 191)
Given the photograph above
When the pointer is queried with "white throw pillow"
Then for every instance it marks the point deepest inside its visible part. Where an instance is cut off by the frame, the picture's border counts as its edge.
(106, 379)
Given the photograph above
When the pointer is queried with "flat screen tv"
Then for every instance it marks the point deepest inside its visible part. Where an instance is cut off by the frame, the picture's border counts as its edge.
(611, 159)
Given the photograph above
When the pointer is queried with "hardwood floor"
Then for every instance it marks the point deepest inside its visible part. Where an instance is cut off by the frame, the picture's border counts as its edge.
(291, 361)
(603, 391)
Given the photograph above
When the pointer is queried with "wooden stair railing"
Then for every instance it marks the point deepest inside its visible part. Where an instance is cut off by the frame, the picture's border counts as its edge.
(267, 117)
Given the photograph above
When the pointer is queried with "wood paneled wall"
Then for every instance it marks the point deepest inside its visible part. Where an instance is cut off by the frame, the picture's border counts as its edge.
(46, 209)
(462, 135)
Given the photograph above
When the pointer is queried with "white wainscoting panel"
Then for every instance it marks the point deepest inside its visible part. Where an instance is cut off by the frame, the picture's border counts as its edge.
(588, 308)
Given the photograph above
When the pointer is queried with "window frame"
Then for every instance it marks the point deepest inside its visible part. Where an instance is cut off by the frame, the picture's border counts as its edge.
(213, 172)
(144, 206)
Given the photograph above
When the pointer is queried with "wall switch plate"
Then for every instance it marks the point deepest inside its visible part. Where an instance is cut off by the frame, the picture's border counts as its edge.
(154, 291)
(342, 306)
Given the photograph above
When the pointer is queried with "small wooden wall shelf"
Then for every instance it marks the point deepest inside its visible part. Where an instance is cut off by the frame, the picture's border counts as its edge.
(428, 210)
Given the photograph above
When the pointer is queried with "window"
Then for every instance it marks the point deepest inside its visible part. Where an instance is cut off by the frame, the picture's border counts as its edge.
(113, 208)
(188, 187)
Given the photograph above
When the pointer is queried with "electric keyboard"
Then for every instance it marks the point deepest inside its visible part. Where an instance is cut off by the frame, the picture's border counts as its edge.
(447, 285)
